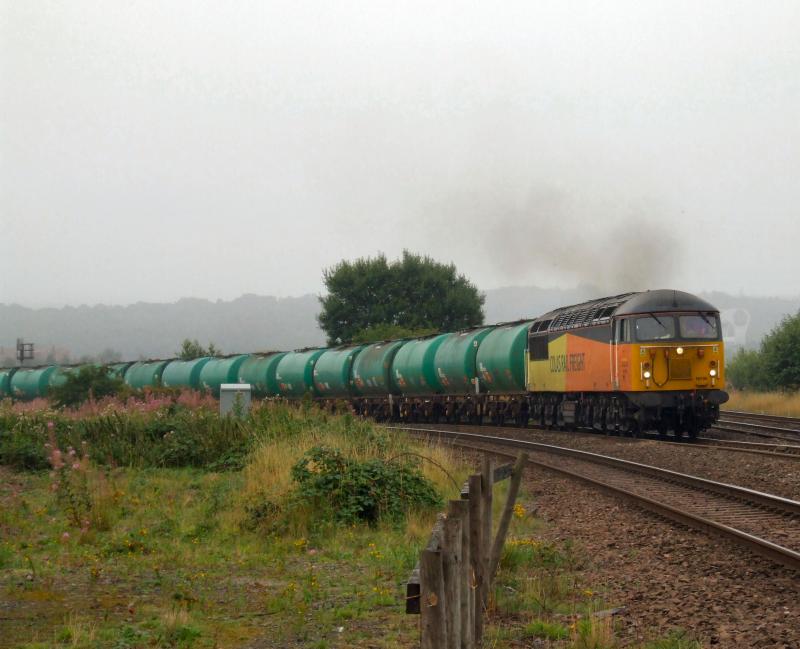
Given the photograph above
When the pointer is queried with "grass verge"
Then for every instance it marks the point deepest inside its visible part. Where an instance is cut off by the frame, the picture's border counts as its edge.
(786, 404)
(140, 553)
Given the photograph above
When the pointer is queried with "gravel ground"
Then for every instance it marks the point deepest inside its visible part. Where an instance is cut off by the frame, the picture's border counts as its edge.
(667, 576)
(772, 475)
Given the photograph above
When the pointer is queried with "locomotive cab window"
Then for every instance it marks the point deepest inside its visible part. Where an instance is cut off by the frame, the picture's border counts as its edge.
(622, 330)
(655, 327)
(699, 326)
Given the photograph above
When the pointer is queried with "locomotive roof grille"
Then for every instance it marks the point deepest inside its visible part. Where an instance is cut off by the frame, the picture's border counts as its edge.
(599, 312)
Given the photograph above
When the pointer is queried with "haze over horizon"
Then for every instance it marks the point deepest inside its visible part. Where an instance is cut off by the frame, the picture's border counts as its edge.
(152, 151)
(586, 290)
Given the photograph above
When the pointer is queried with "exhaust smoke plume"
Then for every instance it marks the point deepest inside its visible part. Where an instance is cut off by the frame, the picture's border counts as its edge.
(550, 237)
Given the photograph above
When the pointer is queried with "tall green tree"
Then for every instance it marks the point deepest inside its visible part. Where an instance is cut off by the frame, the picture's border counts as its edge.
(781, 352)
(413, 294)
(776, 365)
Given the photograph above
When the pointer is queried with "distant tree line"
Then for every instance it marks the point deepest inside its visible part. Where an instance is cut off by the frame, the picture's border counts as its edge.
(775, 365)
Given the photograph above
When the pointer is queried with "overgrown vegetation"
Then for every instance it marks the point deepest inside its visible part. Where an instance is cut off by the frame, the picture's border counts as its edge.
(371, 295)
(154, 431)
(85, 383)
(775, 365)
(137, 537)
(194, 557)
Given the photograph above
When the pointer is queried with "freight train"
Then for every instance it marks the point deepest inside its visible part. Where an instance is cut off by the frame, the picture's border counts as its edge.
(645, 361)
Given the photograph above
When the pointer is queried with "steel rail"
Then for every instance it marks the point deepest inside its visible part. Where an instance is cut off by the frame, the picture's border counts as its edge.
(778, 429)
(762, 416)
(760, 546)
(756, 433)
(733, 446)
(737, 446)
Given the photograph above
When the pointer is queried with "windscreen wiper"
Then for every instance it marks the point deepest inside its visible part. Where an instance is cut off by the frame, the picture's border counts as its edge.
(653, 315)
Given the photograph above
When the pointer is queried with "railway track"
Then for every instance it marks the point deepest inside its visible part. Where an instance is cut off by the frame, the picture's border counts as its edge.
(785, 451)
(756, 425)
(780, 420)
(789, 451)
(763, 523)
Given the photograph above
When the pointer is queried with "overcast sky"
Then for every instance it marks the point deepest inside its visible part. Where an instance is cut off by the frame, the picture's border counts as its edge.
(153, 150)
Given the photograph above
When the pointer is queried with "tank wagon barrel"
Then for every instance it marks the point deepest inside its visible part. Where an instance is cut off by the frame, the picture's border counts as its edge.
(33, 383)
(117, 370)
(333, 376)
(295, 373)
(413, 367)
(5, 381)
(221, 370)
(260, 372)
(455, 360)
(184, 374)
(144, 374)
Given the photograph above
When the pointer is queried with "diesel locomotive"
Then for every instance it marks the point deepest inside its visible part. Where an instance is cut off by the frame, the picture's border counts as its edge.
(645, 361)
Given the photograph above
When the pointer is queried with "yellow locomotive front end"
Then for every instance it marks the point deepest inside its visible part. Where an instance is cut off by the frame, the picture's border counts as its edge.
(670, 362)
(630, 363)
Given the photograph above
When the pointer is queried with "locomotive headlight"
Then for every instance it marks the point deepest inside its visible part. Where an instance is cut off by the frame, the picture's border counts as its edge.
(679, 351)
(712, 372)
(647, 374)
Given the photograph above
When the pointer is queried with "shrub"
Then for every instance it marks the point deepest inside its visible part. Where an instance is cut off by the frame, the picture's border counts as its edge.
(747, 370)
(776, 365)
(360, 491)
(22, 450)
(89, 382)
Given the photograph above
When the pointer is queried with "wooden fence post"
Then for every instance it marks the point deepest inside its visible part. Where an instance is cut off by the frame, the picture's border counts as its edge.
(487, 489)
(432, 601)
(451, 568)
(505, 519)
(460, 508)
(476, 555)
(451, 583)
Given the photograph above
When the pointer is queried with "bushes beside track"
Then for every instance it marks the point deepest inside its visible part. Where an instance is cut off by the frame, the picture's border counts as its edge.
(775, 365)
(155, 432)
(301, 463)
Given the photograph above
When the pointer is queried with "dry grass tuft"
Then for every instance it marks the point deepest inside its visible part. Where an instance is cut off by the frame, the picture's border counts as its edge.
(77, 633)
(768, 403)
(593, 632)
